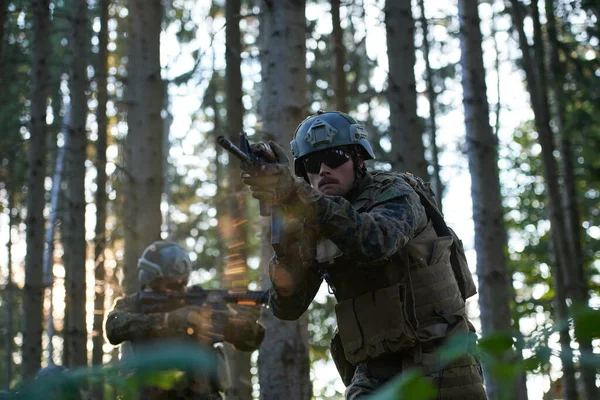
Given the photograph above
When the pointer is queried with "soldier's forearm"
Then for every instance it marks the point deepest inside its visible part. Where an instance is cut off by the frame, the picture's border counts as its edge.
(122, 327)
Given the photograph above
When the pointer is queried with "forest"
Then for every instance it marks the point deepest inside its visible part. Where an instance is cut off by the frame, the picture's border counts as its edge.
(110, 113)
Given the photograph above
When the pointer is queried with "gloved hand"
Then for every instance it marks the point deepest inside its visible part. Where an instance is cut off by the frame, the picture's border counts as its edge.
(181, 319)
(272, 182)
(243, 330)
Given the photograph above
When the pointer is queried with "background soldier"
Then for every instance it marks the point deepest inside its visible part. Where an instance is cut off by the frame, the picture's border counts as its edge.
(165, 267)
(368, 235)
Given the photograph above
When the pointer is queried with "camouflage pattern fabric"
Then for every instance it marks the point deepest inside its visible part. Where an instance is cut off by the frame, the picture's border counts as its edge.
(365, 237)
(371, 228)
(453, 383)
(126, 323)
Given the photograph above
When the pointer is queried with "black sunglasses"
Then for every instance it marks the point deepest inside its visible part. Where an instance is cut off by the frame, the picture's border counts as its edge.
(333, 158)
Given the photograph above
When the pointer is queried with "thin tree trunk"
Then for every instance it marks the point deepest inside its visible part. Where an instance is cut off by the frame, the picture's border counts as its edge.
(32, 300)
(283, 360)
(167, 172)
(536, 87)
(408, 152)
(75, 245)
(3, 14)
(577, 283)
(340, 87)
(144, 144)
(8, 369)
(498, 76)
(495, 286)
(233, 230)
(55, 197)
(101, 199)
(432, 99)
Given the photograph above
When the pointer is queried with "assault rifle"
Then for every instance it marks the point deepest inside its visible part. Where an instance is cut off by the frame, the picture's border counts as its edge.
(252, 161)
(217, 300)
(153, 302)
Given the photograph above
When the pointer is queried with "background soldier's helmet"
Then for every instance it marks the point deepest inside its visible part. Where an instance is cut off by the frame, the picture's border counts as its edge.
(325, 130)
(163, 260)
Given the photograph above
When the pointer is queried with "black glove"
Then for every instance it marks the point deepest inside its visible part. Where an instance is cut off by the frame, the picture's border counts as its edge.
(272, 182)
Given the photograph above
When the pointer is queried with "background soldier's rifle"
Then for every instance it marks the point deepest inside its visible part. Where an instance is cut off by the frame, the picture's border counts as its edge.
(217, 300)
(153, 302)
(252, 161)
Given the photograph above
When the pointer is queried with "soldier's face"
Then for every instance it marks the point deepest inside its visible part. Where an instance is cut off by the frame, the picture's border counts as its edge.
(169, 285)
(333, 178)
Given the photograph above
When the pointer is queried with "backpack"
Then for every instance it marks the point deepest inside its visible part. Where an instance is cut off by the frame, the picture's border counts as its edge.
(457, 252)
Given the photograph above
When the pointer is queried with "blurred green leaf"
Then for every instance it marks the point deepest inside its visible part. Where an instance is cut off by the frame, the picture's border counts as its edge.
(496, 344)
(410, 385)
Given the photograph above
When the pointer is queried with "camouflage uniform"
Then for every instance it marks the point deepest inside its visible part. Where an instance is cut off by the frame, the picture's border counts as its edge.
(399, 294)
(126, 323)
(380, 258)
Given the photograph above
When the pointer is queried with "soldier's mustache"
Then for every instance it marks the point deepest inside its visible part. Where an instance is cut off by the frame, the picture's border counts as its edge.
(325, 181)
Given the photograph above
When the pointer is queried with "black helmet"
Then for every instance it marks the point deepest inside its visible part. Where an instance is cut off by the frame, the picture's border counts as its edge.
(163, 260)
(325, 130)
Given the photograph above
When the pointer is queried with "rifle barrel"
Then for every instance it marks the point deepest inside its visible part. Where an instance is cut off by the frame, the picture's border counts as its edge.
(233, 149)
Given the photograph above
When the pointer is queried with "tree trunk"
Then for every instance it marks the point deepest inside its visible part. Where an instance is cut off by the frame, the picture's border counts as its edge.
(283, 361)
(3, 14)
(535, 77)
(234, 232)
(577, 281)
(144, 172)
(8, 368)
(405, 128)
(53, 222)
(32, 294)
(432, 100)
(74, 229)
(340, 88)
(495, 286)
(101, 199)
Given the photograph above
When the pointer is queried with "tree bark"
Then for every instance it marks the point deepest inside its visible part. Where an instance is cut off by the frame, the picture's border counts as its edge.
(53, 222)
(144, 152)
(233, 230)
(432, 100)
(8, 368)
(340, 87)
(32, 295)
(3, 14)
(74, 230)
(495, 283)
(101, 199)
(577, 281)
(535, 77)
(408, 152)
(283, 360)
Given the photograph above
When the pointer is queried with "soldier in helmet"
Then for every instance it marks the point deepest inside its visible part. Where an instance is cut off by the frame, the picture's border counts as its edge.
(165, 267)
(367, 234)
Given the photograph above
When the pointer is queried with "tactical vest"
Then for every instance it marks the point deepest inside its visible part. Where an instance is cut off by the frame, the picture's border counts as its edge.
(394, 305)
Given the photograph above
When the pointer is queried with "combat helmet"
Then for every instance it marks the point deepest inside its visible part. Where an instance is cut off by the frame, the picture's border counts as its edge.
(324, 130)
(163, 259)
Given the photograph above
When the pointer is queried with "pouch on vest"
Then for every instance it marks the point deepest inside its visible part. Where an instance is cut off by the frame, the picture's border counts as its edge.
(457, 255)
(345, 369)
(375, 324)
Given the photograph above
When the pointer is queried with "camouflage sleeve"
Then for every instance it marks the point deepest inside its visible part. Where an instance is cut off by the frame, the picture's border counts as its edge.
(294, 288)
(125, 322)
(366, 236)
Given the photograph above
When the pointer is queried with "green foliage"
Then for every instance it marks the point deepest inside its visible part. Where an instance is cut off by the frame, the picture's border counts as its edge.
(163, 368)
(410, 385)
